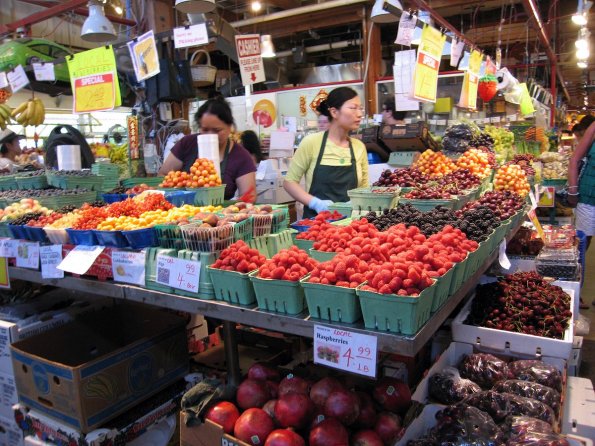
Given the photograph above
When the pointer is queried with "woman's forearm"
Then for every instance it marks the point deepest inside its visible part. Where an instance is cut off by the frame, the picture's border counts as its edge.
(297, 192)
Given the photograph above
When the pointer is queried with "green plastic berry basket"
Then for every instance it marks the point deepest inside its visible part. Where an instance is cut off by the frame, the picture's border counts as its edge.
(205, 196)
(243, 230)
(151, 269)
(233, 287)
(5, 229)
(428, 205)
(341, 208)
(459, 275)
(364, 199)
(149, 181)
(31, 182)
(322, 256)
(442, 292)
(7, 182)
(260, 244)
(332, 303)
(279, 296)
(277, 242)
(465, 198)
(306, 245)
(396, 314)
(169, 236)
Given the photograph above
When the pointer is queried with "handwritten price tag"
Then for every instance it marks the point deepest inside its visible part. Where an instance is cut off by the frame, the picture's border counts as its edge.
(178, 273)
(79, 260)
(129, 267)
(8, 247)
(3, 80)
(28, 254)
(44, 71)
(50, 257)
(345, 350)
(194, 35)
(96, 92)
(17, 78)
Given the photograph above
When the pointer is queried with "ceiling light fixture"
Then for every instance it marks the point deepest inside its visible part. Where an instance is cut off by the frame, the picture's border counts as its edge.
(582, 54)
(256, 6)
(380, 15)
(582, 64)
(582, 11)
(195, 6)
(97, 28)
(583, 38)
(267, 49)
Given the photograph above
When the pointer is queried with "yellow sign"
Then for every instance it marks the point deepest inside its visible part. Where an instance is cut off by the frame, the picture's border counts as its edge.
(547, 196)
(425, 78)
(468, 97)
(533, 217)
(94, 80)
(526, 101)
(475, 62)
(4, 279)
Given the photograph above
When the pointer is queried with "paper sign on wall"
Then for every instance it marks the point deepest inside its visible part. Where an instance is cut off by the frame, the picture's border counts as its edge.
(404, 69)
(8, 247)
(28, 255)
(468, 98)
(194, 35)
(456, 51)
(17, 78)
(50, 257)
(425, 79)
(145, 59)
(250, 60)
(3, 80)
(94, 80)
(79, 260)
(406, 29)
(345, 350)
(4, 279)
(44, 71)
(129, 267)
(178, 273)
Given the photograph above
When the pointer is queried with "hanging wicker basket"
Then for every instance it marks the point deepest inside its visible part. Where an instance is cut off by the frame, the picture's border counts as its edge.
(202, 75)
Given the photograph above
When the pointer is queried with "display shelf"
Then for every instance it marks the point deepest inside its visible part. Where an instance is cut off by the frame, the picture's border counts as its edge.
(301, 325)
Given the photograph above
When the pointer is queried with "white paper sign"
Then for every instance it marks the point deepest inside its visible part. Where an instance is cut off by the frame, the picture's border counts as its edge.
(129, 267)
(502, 257)
(17, 78)
(406, 28)
(456, 49)
(44, 71)
(8, 247)
(3, 80)
(178, 273)
(28, 254)
(249, 58)
(50, 257)
(441, 121)
(194, 35)
(79, 260)
(345, 350)
(495, 119)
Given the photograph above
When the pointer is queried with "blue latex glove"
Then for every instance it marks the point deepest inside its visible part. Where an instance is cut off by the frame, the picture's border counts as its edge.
(319, 205)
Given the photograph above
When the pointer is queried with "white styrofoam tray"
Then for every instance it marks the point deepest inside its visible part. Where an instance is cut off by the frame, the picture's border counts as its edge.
(455, 353)
(519, 343)
(579, 411)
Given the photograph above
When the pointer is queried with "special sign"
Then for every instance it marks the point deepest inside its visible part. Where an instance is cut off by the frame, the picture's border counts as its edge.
(251, 67)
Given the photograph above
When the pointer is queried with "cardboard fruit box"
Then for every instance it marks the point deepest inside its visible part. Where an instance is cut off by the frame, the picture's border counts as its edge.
(90, 370)
(207, 434)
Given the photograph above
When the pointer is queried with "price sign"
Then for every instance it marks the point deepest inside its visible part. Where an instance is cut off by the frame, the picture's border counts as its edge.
(547, 197)
(495, 119)
(425, 78)
(3, 80)
(50, 257)
(533, 217)
(129, 267)
(178, 273)
(8, 247)
(4, 279)
(502, 257)
(28, 254)
(44, 71)
(195, 35)
(406, 29)
(79, 260)
(94, 93)
(345, 350)
(17, 78)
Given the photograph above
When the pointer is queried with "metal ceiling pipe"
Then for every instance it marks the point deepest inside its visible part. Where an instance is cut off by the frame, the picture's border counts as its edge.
(296, 12)
(322, 47)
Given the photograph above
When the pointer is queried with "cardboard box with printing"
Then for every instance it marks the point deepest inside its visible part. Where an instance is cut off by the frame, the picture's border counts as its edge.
(94, 368)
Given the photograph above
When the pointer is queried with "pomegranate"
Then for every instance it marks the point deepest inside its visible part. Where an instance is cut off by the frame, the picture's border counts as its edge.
(367, 412)
(224, 414)
(269, 408)
(329, 432)
(284, 437)
(273, 388)
(294, 410)
(252, 393)
(253, 426)
(366, 438)
(293, 384)
(393, 394)
(263, 371)
(388, 427)
(342, 405)
(322, 389)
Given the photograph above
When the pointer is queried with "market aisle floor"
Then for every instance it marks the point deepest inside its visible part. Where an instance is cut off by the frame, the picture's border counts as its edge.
(588, 293)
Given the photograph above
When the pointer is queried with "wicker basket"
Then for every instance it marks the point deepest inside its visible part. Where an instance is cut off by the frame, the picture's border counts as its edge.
(202, 75)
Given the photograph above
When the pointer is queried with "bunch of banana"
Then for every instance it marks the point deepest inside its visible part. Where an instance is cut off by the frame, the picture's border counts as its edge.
(31, 112)
(5, 112)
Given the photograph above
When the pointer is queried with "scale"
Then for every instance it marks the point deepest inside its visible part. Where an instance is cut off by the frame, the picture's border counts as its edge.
(407, 137)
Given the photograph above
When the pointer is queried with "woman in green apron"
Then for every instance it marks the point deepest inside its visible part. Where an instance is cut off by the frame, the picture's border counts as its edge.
(331, 162)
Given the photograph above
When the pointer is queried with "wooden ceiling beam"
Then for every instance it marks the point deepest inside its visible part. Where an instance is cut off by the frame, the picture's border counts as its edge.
(284, 4)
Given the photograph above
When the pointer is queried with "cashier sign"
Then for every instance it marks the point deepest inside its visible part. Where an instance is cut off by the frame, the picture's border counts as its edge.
(250, 60)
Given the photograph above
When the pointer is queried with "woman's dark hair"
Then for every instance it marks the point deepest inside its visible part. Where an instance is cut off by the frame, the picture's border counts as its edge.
(252, 144)
(389, 105)
(335, 99)
(218, 107)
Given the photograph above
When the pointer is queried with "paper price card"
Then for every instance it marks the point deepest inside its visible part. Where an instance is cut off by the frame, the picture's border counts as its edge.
(28, 254)
(406, 29)
(129, 267)
(425, 79)
(92, 65)
(50, 257)
(475, 62)
(8, 247)
(79, 260)
(178, 273)
(17, 78)
(533, 217)
(3, 80)
(194, 35)
(145, 60)
(468, 97)
(4, 279)
(345, 350)
(44, 71)
(547, 197)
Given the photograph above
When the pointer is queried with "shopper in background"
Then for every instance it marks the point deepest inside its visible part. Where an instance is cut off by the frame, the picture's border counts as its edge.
(331, 161)
(389, 115)
(251, 143)
(323, 123)
(237, 166)
(10, 148)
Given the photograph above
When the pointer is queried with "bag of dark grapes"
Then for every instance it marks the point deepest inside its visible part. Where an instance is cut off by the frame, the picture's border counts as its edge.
(484, 369)
(538, 439)
(536, 371)
(447, 386)
(533, 390)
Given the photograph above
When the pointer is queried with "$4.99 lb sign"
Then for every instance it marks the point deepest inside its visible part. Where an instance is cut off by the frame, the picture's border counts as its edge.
(345, 350)
(178, 273)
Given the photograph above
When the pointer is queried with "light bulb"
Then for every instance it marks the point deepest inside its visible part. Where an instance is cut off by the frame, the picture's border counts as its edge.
(580, 19)
(118, 10)
(582, 53)
(582, 44)
(256, 6)
(581, 64)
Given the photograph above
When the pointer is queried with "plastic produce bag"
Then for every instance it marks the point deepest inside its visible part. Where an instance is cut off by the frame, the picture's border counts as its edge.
(447, 386)
(536, 371)
(484, 369)
(538, 439)
(527, 406)
(519, 425)
(501, 405)
(457, 138)
(529, 389)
